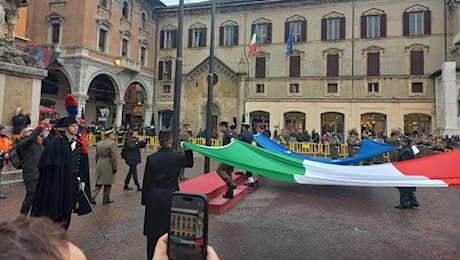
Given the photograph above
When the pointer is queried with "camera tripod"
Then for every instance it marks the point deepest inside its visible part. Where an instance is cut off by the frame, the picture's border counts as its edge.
(81, 187)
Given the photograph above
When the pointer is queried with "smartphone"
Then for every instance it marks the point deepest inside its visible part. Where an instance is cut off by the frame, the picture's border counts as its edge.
(188, 227)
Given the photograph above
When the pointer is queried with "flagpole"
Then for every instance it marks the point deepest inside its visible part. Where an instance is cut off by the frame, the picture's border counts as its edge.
(210, 86)
(178, 76)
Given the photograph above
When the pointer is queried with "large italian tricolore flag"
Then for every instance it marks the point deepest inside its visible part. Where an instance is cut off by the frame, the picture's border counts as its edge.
(432, 171)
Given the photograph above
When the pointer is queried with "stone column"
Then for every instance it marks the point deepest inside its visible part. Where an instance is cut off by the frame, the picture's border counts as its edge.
(81, 99)
(148, 115)
(447, 105)
(118, 120)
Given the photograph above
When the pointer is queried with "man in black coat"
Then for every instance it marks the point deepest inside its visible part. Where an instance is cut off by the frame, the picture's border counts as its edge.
(407, 197)
(161, 174)
(60, 165)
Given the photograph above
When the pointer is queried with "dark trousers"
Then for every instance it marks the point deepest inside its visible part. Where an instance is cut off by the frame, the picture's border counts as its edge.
(407, 195)
(31, 187)
(132, 171)
(64, 220)
(151, 243)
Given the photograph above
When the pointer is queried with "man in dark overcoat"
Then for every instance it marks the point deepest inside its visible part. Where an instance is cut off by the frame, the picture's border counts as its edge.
(60, 166)
(161, 174)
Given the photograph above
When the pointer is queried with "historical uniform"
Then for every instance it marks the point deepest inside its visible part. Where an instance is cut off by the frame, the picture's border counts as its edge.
(407, 197)
(224, 170)
(106, 166)
(60, 167)
(160, 181)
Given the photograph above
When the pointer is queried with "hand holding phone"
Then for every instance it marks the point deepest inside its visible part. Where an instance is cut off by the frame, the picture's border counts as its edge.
(188, 229)
(161, 250)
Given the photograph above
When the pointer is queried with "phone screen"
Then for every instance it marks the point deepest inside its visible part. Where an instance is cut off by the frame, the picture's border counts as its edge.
(187, 238)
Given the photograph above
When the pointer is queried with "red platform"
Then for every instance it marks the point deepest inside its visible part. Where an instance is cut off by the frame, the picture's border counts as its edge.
(214, 187)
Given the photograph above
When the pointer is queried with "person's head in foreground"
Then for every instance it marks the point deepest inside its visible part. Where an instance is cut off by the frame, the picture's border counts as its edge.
(26, 238)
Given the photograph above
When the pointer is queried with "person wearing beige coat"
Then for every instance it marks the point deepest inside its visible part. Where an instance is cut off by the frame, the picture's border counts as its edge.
(106, 166)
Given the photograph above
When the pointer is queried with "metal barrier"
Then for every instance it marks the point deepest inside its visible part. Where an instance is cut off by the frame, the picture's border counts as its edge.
(343, 152)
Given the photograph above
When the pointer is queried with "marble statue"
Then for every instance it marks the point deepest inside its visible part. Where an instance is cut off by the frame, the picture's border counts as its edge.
(9, 16)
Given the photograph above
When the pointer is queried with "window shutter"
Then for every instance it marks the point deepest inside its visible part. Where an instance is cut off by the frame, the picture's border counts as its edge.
(342, 28)
(124, 47)
(55, 35)
(169, 65)
(269, 33)
(427, 22)
(174, 39)
(235, 35)
(287, 27)
(383, 25)
(363, 27)
(221, 36)
(260, 67)
(294, 67)
(101, 38)
(373, 64)
(416, 63)
(160, 70)
(324, 29)
(203, 39)
(162, 39)
(304, 31)
(405, 23)
(333, 65)
(190, 37)
(252, 30)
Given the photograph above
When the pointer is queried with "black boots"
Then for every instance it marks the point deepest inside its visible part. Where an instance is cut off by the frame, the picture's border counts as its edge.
(139, 187)
(230, 187)
(126, 187)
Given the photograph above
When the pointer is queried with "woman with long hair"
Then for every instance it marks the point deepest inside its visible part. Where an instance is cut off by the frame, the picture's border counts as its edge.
(132, 155)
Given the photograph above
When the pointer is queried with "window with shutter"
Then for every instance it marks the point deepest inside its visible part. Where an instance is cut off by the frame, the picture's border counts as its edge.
(125, 10)
(55, 36)
(333, 29)
(332, 88)
(416, 62)
(332, 65)
(417, 87)
(260, 67)
(102, 38)
(142, 58)
(294, 66)
(373, 64)
(124, 48)
(373, 26)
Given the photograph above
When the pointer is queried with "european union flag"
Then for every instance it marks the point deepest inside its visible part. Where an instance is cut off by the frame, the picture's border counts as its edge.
(290, 41)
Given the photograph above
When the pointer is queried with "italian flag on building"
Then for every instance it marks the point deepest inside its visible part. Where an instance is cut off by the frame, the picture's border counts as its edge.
(254, 40)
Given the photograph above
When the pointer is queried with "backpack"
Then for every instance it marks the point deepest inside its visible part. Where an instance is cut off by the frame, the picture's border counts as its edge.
(15, 157)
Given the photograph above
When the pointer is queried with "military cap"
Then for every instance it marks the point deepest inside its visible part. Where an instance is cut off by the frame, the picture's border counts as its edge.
(406, 138)
(224, 123)
(109, 131)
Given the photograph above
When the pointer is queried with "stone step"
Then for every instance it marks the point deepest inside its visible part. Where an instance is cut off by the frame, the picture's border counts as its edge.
(11, 178)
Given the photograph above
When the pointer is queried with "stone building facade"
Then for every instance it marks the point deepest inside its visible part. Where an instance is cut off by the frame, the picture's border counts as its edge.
(363, 64)
(106, 47)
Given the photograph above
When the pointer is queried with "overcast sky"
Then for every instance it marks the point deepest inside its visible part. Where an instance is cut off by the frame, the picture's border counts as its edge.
(176, 2)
